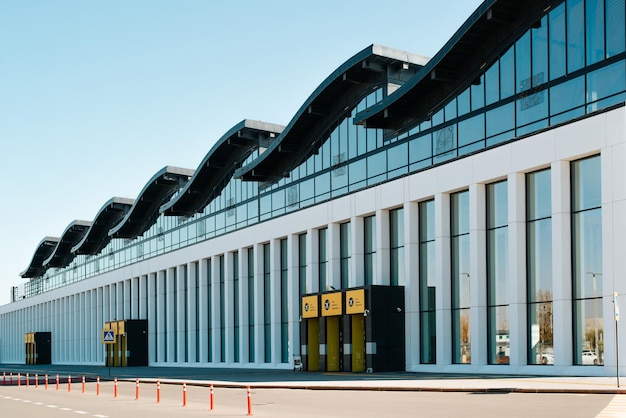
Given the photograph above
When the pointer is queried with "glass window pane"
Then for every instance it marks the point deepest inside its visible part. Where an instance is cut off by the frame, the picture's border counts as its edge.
(522, 63)
(540, 53)
(507, 74)
(575, 35)
(595, 30)
(499, 335)
(615, 37)
(586, 191)
(568, 95)
(557, 42)
(472, 129)
(589, 344)
(500, 119)
(606, 81)
(541, 336)
(492, 84)
(420, 148)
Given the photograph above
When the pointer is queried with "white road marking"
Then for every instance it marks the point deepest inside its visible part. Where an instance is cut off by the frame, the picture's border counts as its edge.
(615, 408)
(81, 412)
(52, 406)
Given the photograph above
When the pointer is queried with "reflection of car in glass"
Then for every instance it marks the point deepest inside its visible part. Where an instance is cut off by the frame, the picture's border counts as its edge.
(589, 357)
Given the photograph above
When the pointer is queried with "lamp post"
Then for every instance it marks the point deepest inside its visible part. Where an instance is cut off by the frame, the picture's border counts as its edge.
(595, 311)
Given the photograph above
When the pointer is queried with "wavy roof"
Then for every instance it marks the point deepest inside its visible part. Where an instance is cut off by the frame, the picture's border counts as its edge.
(97, 237)
(43, 251)
(62, 256)
(218, 166)
(145, 211)
(486, 34)
(332, 101)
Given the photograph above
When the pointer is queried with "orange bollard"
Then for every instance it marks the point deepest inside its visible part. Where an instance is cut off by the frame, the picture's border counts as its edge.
(211, 398)
(57, 382)
(249, 402)
(36, 381)
(4, 378)
(19, 379)
(46, 381)
(158, 391)
(98, 386)
(115, 387)
(82, 382)
(69, 383)
(137, 389)
(184, 394)
(11, 378)
(27, 379)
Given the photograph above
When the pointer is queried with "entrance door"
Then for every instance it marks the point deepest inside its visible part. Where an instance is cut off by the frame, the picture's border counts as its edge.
(313, 345)
(358, 343)
(333, 343)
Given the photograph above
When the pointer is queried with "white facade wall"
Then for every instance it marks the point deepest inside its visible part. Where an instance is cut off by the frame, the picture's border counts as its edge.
(75, 314)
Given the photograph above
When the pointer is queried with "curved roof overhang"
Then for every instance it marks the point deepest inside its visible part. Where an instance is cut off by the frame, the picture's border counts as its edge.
(62, 256)
(97, 237)
(43, 251)
(218, 166)
(145, 211)
(486, 34)
(333, 100)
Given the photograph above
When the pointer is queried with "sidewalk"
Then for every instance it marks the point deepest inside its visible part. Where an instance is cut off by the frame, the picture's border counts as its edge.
(286, 379)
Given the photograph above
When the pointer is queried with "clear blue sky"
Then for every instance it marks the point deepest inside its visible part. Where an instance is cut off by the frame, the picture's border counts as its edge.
(96, 96)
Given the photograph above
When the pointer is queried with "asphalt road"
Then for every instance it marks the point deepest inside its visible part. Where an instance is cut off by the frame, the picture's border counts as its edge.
(229, 402)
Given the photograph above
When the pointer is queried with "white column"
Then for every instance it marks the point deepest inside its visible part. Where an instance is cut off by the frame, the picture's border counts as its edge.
(561, 264)
(134, 299)
(479, 336)
(143, 297)
(411, 286)
(181, 314)
(518, 307)
(357, 259)
(334, 262)
(161, 331)
(214, 315)
(444, 296)
(244, 306)
(152, 319)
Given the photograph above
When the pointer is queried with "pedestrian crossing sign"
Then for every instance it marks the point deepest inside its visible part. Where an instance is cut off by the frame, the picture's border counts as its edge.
(108, 336)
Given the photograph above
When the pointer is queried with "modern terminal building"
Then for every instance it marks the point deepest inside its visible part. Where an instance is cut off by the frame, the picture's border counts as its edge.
(464, 213)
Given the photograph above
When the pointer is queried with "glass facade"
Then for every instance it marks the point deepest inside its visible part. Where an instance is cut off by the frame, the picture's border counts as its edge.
(267, 304)
(570, 64)
(461, 306)
(302, 265)
(539, 267)
(235, 270)
(587, 261)
(427, 283)
(345, 254)
(323, 259)
(498, 311)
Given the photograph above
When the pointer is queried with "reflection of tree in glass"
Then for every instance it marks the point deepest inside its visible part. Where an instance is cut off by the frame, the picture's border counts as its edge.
(465, 329)
(544, 316)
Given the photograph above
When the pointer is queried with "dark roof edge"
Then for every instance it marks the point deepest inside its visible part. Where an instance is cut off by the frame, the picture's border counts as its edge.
(47, 239)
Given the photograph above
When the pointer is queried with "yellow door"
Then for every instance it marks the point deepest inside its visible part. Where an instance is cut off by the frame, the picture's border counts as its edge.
(332, 344)
(313, 346)
(358, 343)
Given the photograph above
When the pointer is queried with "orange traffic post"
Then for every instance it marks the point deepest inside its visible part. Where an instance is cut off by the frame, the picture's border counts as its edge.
(98, 386)
(19, 379)
(82, 384)
(57, 382)
(211, 398)
(249, 402)
(36, 381)
(69, 383)
(27, 379)
(137, 389)
(115, 387)
(46, 382)
(4, 378)
(158, 391)
(184, 394)
(11, 378)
